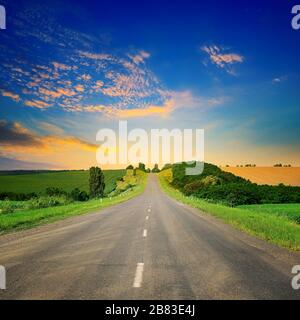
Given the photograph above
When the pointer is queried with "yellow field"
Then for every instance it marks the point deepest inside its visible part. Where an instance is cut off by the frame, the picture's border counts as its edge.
(268, 175)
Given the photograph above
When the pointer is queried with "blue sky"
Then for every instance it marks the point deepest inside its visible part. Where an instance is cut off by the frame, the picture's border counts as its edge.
(70, 68)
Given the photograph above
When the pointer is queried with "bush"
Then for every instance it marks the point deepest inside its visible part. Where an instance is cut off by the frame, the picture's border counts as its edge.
(53, 191)
(46, 202)
(17, 196)
(78, 195)
(7, 207)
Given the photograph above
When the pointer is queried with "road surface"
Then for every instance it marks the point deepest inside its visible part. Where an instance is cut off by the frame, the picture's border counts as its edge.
(150, 247)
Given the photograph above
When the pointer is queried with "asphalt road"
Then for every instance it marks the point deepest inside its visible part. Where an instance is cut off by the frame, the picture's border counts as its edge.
(150, 247)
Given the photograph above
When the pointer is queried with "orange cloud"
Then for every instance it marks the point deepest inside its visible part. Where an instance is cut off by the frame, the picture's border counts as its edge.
(11, 95)
(140, 57)
(62, 66)
(221, 59)
(37, 104)
(79, 88)
(58, 93)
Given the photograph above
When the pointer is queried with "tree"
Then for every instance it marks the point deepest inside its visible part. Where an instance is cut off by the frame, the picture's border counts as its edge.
(96, 182)
(130, 167)
(155, 169)
(142, 167)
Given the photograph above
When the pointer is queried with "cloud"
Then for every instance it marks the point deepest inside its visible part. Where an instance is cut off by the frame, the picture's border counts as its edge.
(11, 95)
(151, 110)
(221, 59)
(61, 66)
(173, 100)
(37, 104)
(279, 79)
(94, 78)
(95, 56)
(14, 136)
(79, 88)
(140, 57)
(58, 93)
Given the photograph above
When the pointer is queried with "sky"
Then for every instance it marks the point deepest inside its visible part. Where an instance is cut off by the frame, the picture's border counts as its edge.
(69, 68)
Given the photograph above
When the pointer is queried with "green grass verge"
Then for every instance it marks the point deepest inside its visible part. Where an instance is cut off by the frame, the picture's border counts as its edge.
(277, 229)
(69, 180)
(31, 218)
(290, 210)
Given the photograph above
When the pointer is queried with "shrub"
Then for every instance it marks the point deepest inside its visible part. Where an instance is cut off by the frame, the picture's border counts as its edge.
(78, 195)
(17, 196)
(7, 207)
(53, 191)
(46, 202)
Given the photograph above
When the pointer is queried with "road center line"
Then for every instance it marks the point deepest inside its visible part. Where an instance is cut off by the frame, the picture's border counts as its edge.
(149, 210)
(145, 233)
(138, 275)
(147, 218)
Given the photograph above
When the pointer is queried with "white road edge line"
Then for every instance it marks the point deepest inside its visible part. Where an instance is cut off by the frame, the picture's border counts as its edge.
(145, 233)
(138, 275)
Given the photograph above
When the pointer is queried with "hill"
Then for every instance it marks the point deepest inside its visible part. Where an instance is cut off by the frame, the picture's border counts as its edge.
(219, 186)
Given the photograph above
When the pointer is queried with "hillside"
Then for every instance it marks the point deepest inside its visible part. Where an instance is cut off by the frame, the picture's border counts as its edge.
(267, 175)
(216, 185)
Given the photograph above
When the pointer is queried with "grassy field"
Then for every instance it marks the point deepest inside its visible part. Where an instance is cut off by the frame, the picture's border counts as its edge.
(290, 211)
(278, 229)
(267, 175)
(25, 219)
(38, 182)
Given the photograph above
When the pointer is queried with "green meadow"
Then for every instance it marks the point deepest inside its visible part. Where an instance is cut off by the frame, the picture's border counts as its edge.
(23, 217)
(65, 180)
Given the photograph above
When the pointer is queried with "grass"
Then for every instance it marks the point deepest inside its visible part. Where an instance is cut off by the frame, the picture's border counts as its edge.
(69, 180)
(290, 211)
(278, 229)
(31, 218)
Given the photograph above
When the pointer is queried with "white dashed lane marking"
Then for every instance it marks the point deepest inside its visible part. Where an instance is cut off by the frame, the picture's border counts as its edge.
(137, 283)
